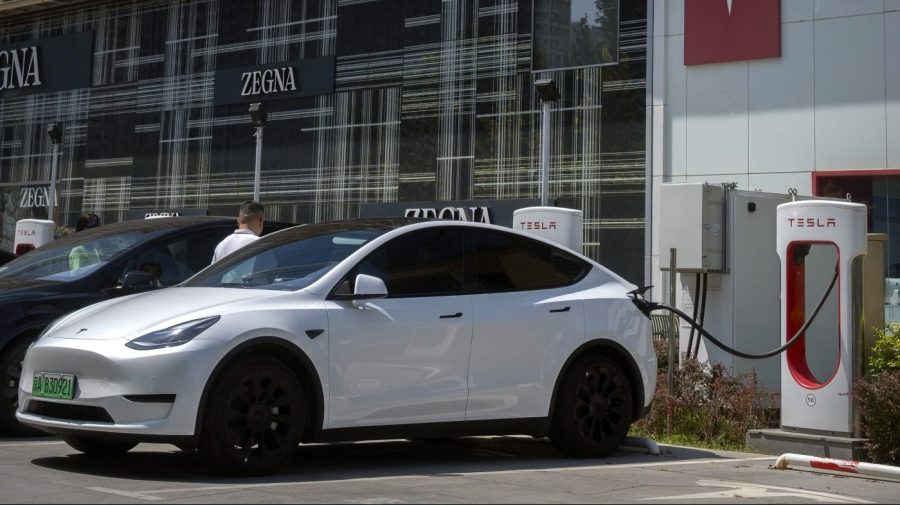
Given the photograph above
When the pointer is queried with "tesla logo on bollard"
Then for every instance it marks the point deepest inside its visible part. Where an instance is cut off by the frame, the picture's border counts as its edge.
(812, 222)
(538, 225)
(811, 400)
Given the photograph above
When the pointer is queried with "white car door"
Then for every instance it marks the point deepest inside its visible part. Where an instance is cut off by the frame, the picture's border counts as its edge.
(527, 323)
(403, 359)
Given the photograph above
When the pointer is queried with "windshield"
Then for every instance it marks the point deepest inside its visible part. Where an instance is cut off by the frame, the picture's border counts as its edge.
(285, 261)
(66, 260)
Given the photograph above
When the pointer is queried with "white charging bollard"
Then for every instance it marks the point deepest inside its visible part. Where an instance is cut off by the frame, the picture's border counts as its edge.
(819, 405)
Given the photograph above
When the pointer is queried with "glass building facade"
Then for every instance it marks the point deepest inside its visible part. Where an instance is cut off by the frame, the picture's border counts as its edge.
(431, 101)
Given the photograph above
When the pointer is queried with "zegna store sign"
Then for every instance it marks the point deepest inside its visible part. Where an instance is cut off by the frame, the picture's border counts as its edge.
(307, 77)
(46, 65)
(499, 212)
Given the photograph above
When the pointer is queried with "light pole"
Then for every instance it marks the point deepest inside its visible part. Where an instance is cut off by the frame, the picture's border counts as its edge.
(547, 92)
(55, 134)
(258, 117)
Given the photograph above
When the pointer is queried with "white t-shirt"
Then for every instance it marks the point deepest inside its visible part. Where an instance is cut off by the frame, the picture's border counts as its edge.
(232, 243)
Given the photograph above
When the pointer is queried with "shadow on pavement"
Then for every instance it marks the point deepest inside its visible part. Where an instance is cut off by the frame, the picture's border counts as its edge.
(341, 461)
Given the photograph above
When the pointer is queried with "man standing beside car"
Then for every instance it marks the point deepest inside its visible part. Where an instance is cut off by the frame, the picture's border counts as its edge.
(250, 226)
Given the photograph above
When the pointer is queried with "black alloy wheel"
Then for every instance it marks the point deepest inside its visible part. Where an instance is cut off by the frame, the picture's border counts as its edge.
(594, 408)
(97, 447)
(11, 367)
(255, 418)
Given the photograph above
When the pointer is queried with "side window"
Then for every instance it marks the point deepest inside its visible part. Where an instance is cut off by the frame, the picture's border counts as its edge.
(176, 259)
(423, 263)
(505, 262)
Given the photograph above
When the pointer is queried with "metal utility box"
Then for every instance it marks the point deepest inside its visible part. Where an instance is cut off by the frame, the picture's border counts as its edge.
(742, 305)
(693, 222)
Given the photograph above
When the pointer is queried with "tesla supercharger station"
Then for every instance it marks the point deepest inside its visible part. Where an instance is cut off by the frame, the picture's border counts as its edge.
(32, 233)
(563, 226)
(820, 402)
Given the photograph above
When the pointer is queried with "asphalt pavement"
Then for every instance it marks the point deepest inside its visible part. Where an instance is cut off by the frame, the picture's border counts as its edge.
(468, 470)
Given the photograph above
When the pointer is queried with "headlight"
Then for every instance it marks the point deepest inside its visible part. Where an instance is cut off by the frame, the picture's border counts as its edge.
(174, 336)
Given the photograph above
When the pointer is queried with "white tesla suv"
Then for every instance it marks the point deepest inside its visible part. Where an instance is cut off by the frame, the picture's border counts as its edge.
(353, 330)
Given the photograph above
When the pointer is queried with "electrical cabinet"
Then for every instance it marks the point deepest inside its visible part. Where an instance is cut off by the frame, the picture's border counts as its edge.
(693, 223)
(742, 307)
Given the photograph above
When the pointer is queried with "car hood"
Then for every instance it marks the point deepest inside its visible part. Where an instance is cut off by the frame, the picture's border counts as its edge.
(132, 316)
(11, 289)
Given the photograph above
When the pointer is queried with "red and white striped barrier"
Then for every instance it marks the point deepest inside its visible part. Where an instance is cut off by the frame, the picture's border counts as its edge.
(838, 465)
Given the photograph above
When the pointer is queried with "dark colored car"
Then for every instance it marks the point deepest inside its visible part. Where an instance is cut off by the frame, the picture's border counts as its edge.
(6, 257)
(90, 266)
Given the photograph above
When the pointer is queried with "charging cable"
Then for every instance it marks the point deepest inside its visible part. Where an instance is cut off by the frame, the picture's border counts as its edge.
(647, 306)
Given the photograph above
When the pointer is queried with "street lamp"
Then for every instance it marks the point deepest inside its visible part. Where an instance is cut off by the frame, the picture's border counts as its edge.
(547, 92)
(55, 134)
(258, 116)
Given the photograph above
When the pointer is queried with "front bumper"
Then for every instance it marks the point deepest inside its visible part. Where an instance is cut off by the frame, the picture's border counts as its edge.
(118, 390)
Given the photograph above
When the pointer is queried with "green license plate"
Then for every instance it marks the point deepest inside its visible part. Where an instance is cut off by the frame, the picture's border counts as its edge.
(53, 385)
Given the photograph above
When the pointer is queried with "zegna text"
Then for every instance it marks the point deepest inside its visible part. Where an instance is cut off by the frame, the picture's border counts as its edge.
(264, 82)
(20, 68)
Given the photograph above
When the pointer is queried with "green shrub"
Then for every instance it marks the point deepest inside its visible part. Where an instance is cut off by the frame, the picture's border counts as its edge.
(879, 407)
(708, 406)
(878, 398)
(662, 354)
(885, 354)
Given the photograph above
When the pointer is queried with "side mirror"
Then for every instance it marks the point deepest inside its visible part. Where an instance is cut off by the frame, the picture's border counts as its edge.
(369, 287)
(138, 280)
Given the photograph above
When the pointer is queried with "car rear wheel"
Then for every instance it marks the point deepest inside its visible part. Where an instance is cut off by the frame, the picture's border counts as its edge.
(11, 368)
(594, 408)
(255, 417)
(97, 447)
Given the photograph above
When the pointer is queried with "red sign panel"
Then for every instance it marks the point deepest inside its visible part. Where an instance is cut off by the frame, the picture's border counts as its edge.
(717, 31)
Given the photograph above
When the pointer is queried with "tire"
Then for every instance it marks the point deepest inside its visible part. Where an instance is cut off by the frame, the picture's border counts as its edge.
(254, 419)
(11, 368)
(594, 408)
(99, 448)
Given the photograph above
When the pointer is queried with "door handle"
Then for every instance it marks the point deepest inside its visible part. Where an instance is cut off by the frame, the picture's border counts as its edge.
(452, 316)
(564, 309)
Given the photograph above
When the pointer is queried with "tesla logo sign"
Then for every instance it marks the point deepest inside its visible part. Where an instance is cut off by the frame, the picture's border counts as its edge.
(538, 225)
(717, 31)
(812, 222)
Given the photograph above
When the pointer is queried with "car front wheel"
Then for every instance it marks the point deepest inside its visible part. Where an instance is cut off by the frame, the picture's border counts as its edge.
(255, 417)
(594, 408)
(11, 368)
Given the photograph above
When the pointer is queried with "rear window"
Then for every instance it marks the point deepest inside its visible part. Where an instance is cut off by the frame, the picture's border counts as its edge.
(504, 262)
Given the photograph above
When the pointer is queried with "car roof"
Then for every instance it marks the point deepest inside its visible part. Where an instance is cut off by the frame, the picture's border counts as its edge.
(137, 225)
(369, 223)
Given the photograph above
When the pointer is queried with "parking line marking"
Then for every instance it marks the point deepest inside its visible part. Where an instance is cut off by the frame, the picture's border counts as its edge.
(748, 490)
(129, 494)
(28, 444)
(150, 495)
